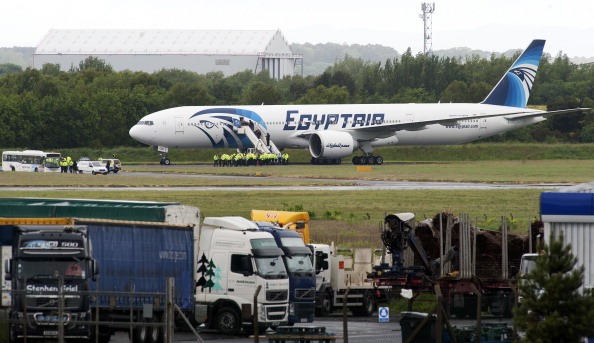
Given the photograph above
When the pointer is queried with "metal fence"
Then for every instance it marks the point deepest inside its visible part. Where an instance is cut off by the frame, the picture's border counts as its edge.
(145, 314)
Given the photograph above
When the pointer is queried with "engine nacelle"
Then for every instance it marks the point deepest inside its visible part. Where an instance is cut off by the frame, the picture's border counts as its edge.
(331, 144)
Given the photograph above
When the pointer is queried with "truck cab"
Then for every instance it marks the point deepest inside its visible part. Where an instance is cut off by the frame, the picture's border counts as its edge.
(302, 280)
(341, 279)
(50, 269)
(296, 221)
(233, 259)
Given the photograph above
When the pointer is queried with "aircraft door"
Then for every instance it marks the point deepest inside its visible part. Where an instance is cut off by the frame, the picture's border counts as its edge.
(179, 125)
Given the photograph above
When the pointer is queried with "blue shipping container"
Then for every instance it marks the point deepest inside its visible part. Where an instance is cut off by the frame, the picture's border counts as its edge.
(139, 259)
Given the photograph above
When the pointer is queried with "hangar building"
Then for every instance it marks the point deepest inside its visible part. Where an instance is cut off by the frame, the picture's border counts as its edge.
(200, 51)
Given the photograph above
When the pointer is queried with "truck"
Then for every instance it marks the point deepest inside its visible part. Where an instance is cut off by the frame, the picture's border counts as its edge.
(221, 261)
(455, 272)
(233, 260)
(335, 270)
(149, 211)
(296, 221)
(302, 280)
(120, 277)
(48, 264)
(339, 271)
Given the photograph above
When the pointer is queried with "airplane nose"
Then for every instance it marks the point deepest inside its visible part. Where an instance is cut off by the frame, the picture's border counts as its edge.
(135, 132)
(141, 133)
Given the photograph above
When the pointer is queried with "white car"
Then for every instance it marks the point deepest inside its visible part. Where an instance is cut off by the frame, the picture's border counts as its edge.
(92, 167)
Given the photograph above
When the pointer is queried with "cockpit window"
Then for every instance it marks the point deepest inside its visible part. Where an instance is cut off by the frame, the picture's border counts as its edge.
(146, 122)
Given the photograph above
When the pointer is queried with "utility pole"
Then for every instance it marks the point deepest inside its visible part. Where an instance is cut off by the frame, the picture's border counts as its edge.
(428, 10)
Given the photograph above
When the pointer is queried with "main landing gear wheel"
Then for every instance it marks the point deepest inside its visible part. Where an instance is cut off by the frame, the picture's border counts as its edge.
(165, 162)
(367, 160)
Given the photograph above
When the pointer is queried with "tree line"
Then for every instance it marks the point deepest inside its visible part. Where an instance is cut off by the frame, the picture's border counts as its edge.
(93, 106)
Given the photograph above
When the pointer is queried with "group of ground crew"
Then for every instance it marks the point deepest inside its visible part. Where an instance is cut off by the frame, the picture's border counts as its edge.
(249, 159)
(67, 164)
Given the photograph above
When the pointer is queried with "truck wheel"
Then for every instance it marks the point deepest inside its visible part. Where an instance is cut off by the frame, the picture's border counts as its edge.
(93, 172)
(156, 333)
(326, 307)
(13, 336)
(140, 333)
(227, 321)
(368, 306)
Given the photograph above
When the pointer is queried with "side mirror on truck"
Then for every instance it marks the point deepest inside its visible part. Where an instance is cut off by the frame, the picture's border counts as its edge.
(94, 270)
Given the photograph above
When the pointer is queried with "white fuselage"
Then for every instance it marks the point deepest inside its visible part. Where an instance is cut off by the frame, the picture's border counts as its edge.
(200, 127)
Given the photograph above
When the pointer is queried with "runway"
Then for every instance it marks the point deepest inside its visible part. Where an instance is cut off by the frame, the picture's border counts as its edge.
(339, 185)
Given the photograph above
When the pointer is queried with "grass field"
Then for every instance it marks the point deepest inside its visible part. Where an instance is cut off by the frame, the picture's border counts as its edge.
(349, 218)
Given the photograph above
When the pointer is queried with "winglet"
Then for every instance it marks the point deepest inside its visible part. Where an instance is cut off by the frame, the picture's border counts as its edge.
(514, 87)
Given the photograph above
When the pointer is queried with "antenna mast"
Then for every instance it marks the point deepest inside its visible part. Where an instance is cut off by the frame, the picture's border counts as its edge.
(427, 21)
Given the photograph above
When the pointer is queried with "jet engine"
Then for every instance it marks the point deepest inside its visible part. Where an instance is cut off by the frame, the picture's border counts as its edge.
(331, 144)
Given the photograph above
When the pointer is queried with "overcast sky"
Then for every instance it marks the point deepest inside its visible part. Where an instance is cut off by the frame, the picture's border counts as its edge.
(491, 25)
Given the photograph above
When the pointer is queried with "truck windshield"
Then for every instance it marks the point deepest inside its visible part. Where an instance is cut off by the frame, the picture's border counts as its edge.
(50, 269)
(271, 267)
(299, 265)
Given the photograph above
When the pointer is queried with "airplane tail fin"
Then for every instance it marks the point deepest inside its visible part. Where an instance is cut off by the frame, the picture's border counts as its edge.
(514, 87)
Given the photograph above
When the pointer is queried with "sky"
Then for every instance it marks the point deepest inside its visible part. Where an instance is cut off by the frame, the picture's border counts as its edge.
(490, 25)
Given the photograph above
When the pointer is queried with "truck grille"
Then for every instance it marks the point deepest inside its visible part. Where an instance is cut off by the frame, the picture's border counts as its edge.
(305, 293)
(277, 295)
(276, 312)
(46, 303)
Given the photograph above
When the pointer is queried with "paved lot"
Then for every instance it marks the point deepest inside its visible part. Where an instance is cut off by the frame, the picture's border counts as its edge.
(368, 330)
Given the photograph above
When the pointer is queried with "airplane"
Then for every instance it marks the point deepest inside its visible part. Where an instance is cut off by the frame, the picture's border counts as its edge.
(333, 132)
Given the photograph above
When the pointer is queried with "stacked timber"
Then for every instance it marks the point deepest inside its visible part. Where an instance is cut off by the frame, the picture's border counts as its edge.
(488, 242)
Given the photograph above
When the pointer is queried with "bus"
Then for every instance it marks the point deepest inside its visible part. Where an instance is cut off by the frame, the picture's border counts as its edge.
(31, 161)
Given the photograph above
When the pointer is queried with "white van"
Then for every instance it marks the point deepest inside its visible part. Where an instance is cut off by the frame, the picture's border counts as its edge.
(92, 167)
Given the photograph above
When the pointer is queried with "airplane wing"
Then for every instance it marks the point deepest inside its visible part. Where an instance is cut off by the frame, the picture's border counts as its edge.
(546, 113)
(372, 132)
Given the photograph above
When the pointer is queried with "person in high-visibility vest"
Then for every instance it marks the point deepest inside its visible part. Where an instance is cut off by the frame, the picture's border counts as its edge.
(63, 165)
(215, 160)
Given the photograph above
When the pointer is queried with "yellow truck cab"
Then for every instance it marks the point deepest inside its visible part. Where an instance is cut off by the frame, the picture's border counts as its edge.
(296, 221)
